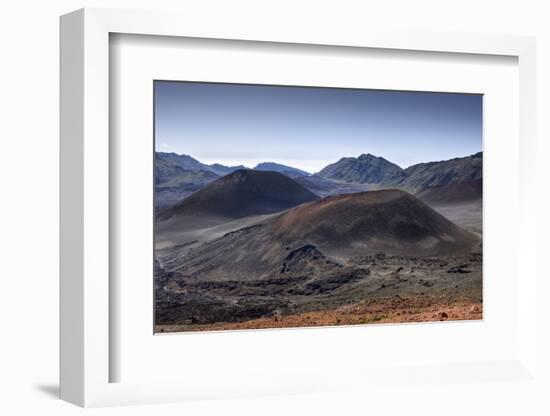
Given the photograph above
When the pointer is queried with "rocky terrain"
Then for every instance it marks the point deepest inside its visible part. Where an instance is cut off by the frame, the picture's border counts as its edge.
(374, 310)
(319, 256)
(384, 281)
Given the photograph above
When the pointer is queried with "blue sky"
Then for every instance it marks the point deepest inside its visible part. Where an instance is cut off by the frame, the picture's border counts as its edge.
(308, 128)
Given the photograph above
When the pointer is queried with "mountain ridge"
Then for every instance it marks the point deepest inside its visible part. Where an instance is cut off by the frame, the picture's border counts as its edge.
(426, 175)
(178, 176)
(369, 169)
(365, 168)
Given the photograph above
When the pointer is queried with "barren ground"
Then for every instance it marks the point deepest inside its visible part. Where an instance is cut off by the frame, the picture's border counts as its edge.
(420, 308)
(214, 274)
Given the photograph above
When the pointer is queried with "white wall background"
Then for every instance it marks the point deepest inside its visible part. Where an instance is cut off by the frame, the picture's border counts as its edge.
(29, 206)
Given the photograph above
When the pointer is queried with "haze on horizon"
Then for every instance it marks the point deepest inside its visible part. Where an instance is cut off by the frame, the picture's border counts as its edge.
(309, 128)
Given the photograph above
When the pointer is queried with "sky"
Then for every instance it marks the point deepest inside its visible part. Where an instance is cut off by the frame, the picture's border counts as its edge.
(308, 128)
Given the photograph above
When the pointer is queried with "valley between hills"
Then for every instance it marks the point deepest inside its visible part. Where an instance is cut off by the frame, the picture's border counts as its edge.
(363, 241)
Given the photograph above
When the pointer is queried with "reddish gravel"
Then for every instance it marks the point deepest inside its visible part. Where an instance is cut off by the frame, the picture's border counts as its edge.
(372, 311)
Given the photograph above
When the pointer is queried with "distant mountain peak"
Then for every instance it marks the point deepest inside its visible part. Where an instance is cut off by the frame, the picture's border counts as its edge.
(370, 169)
(284, 169)
(366, 168)
(365, 156)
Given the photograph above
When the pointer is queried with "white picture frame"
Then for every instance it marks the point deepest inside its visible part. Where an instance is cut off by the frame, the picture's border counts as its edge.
(85, 210)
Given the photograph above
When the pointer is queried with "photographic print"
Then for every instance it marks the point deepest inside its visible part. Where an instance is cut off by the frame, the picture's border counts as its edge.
(289, 206)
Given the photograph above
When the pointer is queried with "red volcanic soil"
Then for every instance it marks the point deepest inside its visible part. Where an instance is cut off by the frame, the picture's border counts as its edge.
(421, 308)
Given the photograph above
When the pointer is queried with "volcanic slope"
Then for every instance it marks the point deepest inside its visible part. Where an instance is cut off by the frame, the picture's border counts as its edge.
(452, 194)
(459, 202)
(447, 172)
(324, 235)
(240, 194)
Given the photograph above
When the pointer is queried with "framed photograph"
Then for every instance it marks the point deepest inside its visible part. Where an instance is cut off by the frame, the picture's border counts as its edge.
(269, 211)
